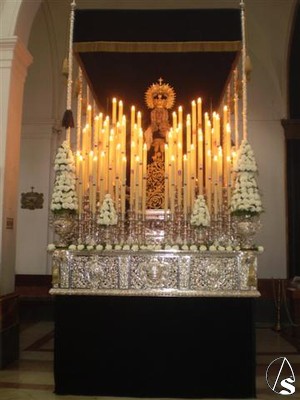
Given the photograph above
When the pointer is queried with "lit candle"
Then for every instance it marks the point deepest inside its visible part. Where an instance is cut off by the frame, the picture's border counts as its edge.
(200, 161)
(114, 111)
(139, 121)
(90, 178)
(132, 121)
(89, 115)
(94, 187)
(137, 192)
(220, 174)
(144, 192)
(188, 133)
(166, 201)
(199, 112)
(217, 130)
(180, 175)
(140, 144)
(215, 183)
(180, 119)
(208, 178)
(111, 163)
(173, 191)
(96, 131)
(185, 178)
(194, 119)
(123, 135)
(102, 177)
(228, 169)
(123, 189)
(174, 115)
(120, 115)
(132, 171)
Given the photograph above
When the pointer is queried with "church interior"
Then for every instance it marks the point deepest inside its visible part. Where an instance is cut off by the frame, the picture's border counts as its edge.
(150, 227)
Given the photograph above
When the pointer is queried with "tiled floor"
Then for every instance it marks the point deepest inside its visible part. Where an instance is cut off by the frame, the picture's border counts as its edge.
(31, 378)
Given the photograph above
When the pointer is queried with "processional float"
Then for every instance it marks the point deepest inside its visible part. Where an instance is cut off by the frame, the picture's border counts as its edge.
(171, 208)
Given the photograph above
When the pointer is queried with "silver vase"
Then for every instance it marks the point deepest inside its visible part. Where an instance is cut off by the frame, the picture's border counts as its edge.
(247, 227)
(65, 225)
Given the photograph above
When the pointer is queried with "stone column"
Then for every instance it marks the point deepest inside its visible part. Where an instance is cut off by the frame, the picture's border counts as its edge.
(14, 61)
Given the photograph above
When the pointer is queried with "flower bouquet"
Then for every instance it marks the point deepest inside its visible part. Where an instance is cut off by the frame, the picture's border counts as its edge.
(64, 202)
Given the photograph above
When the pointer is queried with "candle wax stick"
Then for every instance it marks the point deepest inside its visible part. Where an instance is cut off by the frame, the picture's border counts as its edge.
(114, 111)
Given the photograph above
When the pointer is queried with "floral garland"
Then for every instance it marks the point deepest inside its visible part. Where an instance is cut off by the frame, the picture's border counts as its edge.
(200, 214)
(64, 197)
(246, 200)
(154, 247)
(107, 215)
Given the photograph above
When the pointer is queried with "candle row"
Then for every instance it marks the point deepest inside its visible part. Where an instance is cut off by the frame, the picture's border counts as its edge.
(198, 159)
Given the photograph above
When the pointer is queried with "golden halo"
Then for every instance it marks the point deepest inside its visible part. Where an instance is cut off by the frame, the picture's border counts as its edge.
(163, 89)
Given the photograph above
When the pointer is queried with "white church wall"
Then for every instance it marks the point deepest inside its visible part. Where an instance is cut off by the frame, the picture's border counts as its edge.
(268, 27)
(269, 24)
(44, 95)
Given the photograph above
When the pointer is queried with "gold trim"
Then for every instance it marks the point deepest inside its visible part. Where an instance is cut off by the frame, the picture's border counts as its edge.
(155, 293)
(156, 47)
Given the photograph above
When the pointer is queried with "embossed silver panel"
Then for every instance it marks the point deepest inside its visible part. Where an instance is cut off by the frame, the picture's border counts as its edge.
(155, 273)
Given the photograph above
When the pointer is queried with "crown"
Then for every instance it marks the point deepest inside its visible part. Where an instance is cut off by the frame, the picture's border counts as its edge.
(160, 95)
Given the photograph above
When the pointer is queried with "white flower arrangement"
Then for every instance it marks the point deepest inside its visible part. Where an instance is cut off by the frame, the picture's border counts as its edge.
(99, 247)
(246, 199)
(203, 248)
(245, 158)
(107, 215)
(200, 214)
(72, 247)
(64, 197)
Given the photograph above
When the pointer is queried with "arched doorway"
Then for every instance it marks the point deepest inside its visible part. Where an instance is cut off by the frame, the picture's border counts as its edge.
(15, 20)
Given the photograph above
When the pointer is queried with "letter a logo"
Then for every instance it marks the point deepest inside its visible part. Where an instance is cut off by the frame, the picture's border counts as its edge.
(280, 377)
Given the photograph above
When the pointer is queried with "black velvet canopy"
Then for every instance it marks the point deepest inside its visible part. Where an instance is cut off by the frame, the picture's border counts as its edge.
(127, 75)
